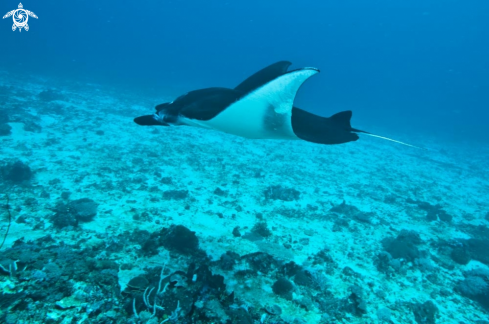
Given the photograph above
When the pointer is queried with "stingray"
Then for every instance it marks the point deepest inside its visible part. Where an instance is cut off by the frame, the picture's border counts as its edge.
(260, 107)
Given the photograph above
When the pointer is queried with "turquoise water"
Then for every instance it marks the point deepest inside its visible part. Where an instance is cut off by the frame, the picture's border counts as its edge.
(105, 221)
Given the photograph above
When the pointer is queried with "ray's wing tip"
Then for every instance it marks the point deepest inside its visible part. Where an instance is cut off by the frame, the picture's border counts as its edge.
(310, 68)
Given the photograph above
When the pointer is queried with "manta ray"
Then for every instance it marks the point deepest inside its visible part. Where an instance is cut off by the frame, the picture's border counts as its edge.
(260, 107)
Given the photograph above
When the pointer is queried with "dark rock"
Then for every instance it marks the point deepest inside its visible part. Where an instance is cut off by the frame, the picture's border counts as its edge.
(261, 262)
(31, 126)
(151, 245)
(349, 272)
(432, 216)
(424, 205)
(339, 224)
(180, 239)
(45, 194)
(16, 172)
(364, 217)
(424, 264)
(283, 288)
(236, 232)
(476, 286)
(166, 180)
(63, 217)
(261, 229)
(305, 302)
(345, 209)
(4, 118)
(238, 316)
(220, 192)
(355, 304)
(149, 242)
(65, 195)
(383, 263)
(478, 232)
(330, 305)
(205, 276)
(5, 129)
(324, 258)
(228, 260)
(409, 236)
(460, 255)
(7, 299)
(479, 272)
(404, 246)
(433, 211)
(425, 313)
(253, 237)
(473, 286)
(445, 217)
(84, 209)
(30, 201)
(52, 270)
(21, 219)
(95, 308)
(273, 310)
(290, 269)
(50, 95)
(303, 278)
(175, 194)
(477, 249)
(138, 283)
(445, 292)
(281, 193)
(395, 264)
(54, 182)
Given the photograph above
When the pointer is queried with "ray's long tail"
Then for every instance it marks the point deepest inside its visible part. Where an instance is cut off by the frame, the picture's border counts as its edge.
(386, 138)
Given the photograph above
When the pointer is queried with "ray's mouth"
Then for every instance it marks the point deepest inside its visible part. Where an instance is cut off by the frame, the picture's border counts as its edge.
(159, 118)
(165, 119)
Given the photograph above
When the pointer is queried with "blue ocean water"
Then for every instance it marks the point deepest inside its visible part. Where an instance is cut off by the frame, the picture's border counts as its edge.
(109, 222)
(419, 66)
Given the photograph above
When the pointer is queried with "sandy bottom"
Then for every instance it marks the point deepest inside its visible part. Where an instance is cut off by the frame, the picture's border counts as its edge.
(85, 142)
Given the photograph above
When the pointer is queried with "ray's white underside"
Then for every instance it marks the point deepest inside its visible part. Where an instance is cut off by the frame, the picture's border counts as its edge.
(265, 113)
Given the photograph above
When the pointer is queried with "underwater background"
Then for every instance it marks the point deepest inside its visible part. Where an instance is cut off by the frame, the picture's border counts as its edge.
(417, 66)
(108, 222)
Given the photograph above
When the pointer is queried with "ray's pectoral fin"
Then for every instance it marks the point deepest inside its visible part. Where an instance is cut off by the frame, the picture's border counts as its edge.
(263, 76)
(265, 112)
